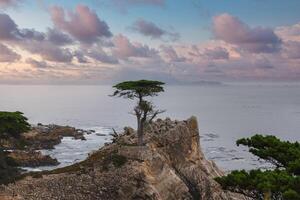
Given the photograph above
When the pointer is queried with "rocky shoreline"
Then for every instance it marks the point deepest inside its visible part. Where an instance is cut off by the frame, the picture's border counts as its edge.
(25, 149)
(171, 165)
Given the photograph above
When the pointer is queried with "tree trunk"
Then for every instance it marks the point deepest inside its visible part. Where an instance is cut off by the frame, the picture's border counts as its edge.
(140, 133)
(267, 195)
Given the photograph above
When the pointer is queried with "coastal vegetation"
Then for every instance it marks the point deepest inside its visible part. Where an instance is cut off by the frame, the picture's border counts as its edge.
(12, 124)
(144, 111)
(282, 183)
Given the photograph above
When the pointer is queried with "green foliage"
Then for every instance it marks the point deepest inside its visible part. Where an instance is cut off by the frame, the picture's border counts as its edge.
(138, 89)
(12, 124)
(8, 171)
(283, 183)
(280, 153)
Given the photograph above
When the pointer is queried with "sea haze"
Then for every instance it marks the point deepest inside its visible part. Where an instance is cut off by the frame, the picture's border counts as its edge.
(225, 113)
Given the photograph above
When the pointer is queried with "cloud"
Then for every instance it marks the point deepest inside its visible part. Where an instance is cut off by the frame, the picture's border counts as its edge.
(8, 55)
(37, 64)
(9, 3)
(57, 37)
(291, 50)
(151, 30)
(125, 3)
(99, 55)
(83, 24)
(48, 51)
(79, 55)
(125, 49)
(171, 55)
(289, 33)
(8, 29)
(31, 34)
(216, 53)
(256, 40)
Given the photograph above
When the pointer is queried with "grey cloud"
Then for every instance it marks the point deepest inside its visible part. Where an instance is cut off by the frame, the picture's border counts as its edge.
(37, 64)
(57, 37)
(31, 34)
(79, 55)
(291, 50)
(216, 53)
(49, 51)
(151, 30)
(171, 54)
(100, 55)
(8, 28)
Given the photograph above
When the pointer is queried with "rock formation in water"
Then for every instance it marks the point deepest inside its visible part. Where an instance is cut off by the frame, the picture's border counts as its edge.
(171, 166)
(23, 150)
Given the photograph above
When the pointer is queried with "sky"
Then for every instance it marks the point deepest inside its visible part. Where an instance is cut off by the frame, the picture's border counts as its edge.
(176, 41)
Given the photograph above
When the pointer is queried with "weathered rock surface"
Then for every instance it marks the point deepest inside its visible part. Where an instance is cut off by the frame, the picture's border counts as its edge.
(31, 158)
(171, 166)
(47, 136)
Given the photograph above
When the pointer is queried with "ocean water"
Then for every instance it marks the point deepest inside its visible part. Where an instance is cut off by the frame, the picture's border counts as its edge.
(225, 113)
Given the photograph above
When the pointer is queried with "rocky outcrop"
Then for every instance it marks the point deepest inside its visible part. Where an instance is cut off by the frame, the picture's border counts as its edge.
(170, 166)
(47, 136)
(43, 137)
(31, 158)
(23, 150)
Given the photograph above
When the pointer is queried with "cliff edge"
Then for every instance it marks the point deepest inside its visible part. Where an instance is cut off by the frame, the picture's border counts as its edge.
(170, 166)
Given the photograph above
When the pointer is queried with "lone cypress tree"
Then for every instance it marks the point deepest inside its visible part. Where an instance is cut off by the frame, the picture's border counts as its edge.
(144, 110)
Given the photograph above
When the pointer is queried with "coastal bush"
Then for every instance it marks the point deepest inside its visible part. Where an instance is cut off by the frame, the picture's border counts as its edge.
(12, 124)
(282, 183)
(8, 171)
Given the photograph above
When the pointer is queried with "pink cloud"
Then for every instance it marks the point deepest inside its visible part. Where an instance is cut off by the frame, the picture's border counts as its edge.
(256, 40)
(125, 49)
(8, 55)
(83, 24)
(8, 3)
(289, 33)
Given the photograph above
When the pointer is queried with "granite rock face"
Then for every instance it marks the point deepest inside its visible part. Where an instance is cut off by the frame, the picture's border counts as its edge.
(171, 166)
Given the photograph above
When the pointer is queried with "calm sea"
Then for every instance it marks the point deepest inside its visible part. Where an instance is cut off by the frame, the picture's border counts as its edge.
(225, 113)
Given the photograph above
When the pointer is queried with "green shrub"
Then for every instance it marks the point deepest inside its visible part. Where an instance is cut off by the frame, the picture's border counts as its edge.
(282, 183)
(12, 124)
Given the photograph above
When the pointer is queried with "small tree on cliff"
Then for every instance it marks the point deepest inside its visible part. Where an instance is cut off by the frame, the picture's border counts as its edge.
(144, 110)
(283, 183)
